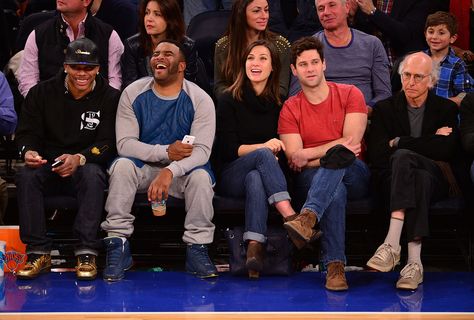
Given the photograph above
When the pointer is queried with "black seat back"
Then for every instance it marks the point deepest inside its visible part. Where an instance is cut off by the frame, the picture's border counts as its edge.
(205, 29)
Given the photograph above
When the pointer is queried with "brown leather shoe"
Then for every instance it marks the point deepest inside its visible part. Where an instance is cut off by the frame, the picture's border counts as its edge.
(254, 261)
(300, 228)
(336, 278)
(290, 218)
(35, 264)
(86, 269)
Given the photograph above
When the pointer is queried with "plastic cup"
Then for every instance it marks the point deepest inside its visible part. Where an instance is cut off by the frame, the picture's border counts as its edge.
(158, 208)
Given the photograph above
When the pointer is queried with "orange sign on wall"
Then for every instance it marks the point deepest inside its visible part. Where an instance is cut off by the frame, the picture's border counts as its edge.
(15, 256)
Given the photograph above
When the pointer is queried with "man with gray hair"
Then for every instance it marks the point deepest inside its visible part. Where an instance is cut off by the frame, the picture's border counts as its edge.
(412, 143)
(352, 57)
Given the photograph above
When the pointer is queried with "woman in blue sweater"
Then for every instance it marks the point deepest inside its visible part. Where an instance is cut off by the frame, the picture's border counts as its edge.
(248, 147)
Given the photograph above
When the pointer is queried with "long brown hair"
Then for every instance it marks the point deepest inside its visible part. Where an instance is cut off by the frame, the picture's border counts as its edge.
(272, 87)
(237, 37)
(175, 27)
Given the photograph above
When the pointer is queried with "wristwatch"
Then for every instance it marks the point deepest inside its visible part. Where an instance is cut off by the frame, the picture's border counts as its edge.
(82, 159)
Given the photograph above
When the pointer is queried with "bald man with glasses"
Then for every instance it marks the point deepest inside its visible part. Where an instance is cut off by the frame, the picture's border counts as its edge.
(412, 144)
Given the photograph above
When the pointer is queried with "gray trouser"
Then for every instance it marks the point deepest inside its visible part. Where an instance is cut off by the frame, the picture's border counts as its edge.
(126, 179)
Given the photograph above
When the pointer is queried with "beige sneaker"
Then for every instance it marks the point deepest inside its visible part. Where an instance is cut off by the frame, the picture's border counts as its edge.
(410, 277)
(385, 258)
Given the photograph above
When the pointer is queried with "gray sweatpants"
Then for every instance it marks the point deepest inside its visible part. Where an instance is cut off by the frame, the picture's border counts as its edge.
(126, 179)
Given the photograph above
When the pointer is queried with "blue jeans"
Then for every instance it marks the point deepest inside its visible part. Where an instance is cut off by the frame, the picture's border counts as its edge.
(327, 193)
(259, 178)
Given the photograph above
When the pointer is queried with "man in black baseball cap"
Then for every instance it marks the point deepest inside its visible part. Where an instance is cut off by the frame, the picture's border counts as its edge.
(82, 51)
(81, 65)
(67, 136)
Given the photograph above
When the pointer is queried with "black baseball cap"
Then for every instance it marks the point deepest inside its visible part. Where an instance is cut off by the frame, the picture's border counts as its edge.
(82, 51)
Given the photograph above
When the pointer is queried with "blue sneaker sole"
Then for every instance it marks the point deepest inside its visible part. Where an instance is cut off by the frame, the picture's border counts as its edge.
(113, 279)
(212, 275)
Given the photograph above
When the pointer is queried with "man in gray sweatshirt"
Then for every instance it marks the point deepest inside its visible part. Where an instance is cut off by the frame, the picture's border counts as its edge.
(154, 115)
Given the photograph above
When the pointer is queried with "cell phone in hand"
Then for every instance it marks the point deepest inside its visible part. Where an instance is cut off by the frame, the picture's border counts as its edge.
(57, 163)
(188, 139)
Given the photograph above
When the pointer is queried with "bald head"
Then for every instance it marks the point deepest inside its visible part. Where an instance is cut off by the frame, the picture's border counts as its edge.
(419, 74)
(422, 60)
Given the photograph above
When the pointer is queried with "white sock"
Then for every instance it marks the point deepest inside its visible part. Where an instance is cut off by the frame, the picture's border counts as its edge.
(394, 233)
(414, 252)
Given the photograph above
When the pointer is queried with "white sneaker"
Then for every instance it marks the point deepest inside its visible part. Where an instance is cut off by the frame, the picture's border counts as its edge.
(410, 277)
(385, 258)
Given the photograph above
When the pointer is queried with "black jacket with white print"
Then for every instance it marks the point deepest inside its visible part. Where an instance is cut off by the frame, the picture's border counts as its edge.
(53, 123)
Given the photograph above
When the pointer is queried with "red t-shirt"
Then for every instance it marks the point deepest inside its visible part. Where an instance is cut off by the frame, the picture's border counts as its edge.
(318, 124)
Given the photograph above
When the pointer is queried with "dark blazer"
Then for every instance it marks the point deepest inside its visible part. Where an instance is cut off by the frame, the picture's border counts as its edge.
(390, 120)
(404, 25)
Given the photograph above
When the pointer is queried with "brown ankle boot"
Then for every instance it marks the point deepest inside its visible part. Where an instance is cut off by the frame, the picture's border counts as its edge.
(300, 228)
(254, 261)
(336, 278)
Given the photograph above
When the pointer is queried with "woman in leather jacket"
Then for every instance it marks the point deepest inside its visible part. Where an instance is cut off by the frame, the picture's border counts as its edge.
(158, 20)
(248, 22)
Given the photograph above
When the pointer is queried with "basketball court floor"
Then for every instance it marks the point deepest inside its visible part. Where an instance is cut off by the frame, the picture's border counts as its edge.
(177, 295)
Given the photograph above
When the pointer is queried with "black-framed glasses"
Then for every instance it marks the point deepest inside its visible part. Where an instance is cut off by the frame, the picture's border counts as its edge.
(416, 77)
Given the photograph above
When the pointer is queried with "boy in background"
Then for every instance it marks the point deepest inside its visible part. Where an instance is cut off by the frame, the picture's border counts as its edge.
(454, 81)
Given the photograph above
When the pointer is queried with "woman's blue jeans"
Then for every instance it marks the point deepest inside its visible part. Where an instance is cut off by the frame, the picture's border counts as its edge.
(257, 176)
(327, 193)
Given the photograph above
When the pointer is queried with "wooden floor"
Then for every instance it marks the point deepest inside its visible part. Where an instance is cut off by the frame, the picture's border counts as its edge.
(235, 316)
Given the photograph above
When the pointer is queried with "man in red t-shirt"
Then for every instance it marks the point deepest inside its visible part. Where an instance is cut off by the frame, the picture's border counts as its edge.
(321, 116)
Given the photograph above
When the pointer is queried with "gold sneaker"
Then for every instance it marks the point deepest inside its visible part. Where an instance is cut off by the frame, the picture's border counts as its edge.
(86, 269)
(36, 264)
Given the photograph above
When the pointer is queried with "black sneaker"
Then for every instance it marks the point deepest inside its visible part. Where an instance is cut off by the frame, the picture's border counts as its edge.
(198, 261)
(118, 260)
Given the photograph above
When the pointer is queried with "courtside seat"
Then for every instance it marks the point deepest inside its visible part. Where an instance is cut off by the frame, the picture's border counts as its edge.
(221, 204)
(161, 237)
(60, 202)
(361, 206)
(224, 205)
(449, 205)
(450, 231)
